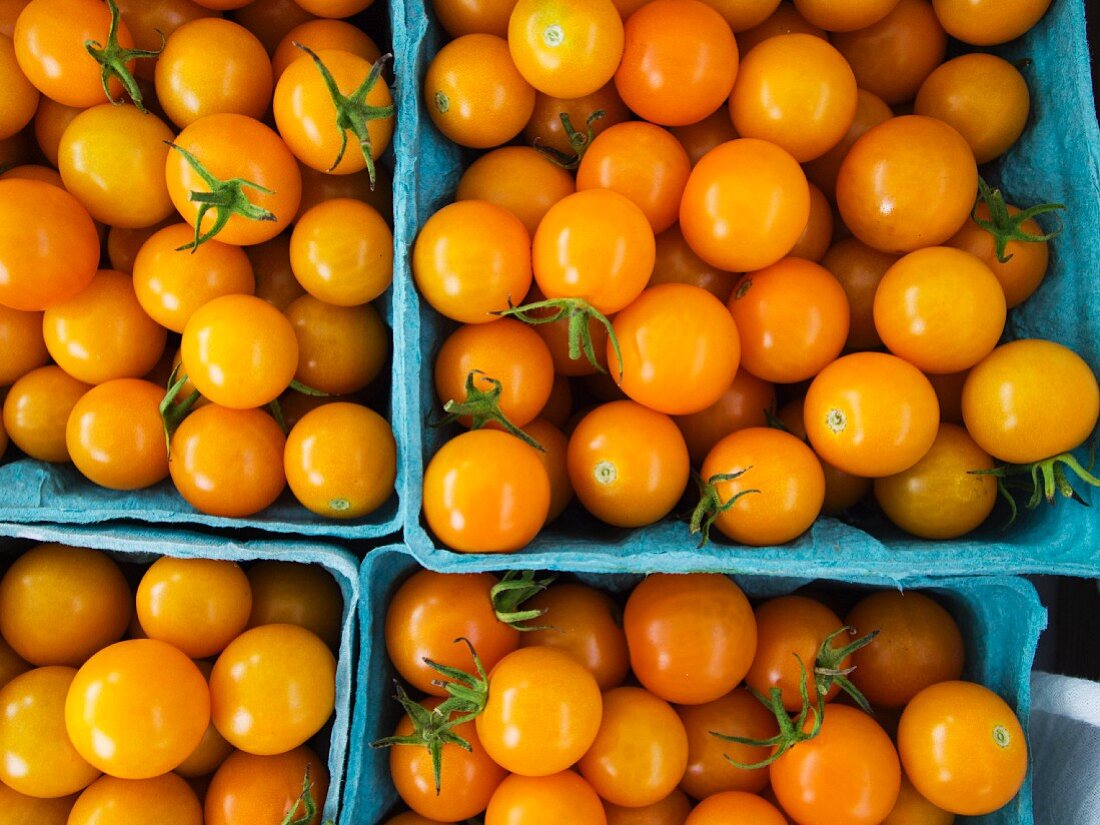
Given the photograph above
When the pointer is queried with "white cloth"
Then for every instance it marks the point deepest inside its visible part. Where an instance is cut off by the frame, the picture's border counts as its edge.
(1065, 749)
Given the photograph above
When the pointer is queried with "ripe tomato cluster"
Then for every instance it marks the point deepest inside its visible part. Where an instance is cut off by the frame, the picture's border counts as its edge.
(176, 239)
(204, 712)
(536, 701)
(745, 239)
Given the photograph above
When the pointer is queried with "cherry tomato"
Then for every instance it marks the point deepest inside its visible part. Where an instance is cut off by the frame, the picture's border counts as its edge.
(320, 35)
(37, 757)
(459, 17)
(9, 11)
(542, 800)
(212, 750)
(823, 170)
(124, 244)
(49, 44)
(546, 129)
(871, 414)
(845, 16)
(672, 810)
(792, 318)
(137, 709)
(50, 121)
(290, 593)
(805, 112)
(21, 98)
(556, 335)
(735, 808)
(914, 809)
(891, 58)
(984, 23)
(239, 351)
(745, 403)
(470, 259)
(34, 172)
(103, 333)
(166, 799)
(341, 461)
(585, 622)
(115, 435)
(918, 645)
(692, 637)
(859, 269)
(1027, 263)
(543, 712)
(22, 342)
(963, 748)
(786, 19)
(1030, 400)
(467, 780)
(65, 253)
(318, 187)
(787, 478)
(745, 205)
(628, 464)
(196, 605)
(340, 349)
(227, 462)
(233, 146)
(555, 444)
(334, 8)
(519, 179)
(506, 351)
(818, 234)
(248, 789)
(270, 20)
(486, 491)
(679, 62)
(10, 663)
(559, 407)
(708, 770)
(148, 21)
(742, 15)
(275, 281)
(565, 50)
(700, 137)
(28, 810)
(37, 409)
(677, 263)
(848, 773)
(596, 245)
(475, 94)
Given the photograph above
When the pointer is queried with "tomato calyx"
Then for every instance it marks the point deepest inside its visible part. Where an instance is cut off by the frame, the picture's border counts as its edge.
(226, 197)
(172, 412)
(579, 141)
(1005, 227)
(112, 60)
(509, 594)
(578, 311)
(483, 406)
(827, 669)
(791, 732)
(1047, 479)
(352, 111)
(710, 505)
(305, 801)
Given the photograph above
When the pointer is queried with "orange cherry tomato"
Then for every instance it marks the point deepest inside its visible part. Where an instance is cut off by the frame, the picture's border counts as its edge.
(859, 269)
(555, 445)
(21, 97)
(559, 407)
(137, 709)
(985, 23)
(586, 623)
(870, 111)
(596, 245)
(115, 435)
(248, 789)
(168, 799)
(691, 637)
(963, 748)
(738, 713)
(318, 187)
(913, 809)
(1030, 400)
(640, 752)
(745, 403)
(37, 409)
(148, 21)
(735, 808)
(792, 318)
(22, 342)
(50, 121)
(124, 244)
(334, 8)
(745, 205)
(842, 490)
(556, 335)
(341, 460)
(275, 281)
(844, 16)
(643, 162)
(918, 645)
(10, 663)
(565, 50)
(208, 756)
(519, 179)
(532, 800)
(700, 137)
(672, 810)
(486, 491)
(939, 308)
(818, 234)
(459, 17)
(30, 810)
(475, 94)
(286, 592)
(796, 91)
(851, 763)
(906, 184)
(270, 20)
(65, 253)
(546, 129)
(322, 34)
(677, 263)
(742, 15)
(1027, 263)
(871, 414)
(543, 712)
(341, 251)
(679, 62)
(471, 259)
(340, 349)
(506, 351)
(786, 19)
(628, 464)
(891, 58)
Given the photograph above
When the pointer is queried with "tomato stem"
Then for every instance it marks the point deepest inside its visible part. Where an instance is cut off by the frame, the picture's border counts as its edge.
(579, 141)
(172, 413)
(483, 406)
(827, 669)
(1005, 227)
(305, 389)
(226, 197)
(578, 311)
(306, 801)
(710, 505)
(1047, 479)
(112, 60)
(353, 113)
(509, 594)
